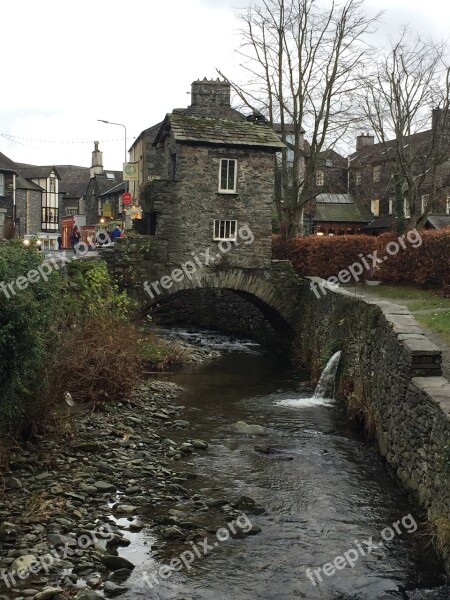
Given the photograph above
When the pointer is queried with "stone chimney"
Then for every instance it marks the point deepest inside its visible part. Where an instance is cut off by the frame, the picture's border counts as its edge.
(364, 139)
(440, 119)
(210, 94)
(97, 161)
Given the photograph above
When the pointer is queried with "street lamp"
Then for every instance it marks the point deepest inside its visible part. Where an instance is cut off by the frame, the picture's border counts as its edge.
(125, 154)
(125, 129)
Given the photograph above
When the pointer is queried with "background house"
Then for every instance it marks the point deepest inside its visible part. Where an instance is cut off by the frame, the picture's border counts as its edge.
(8, 173)
(371, 178)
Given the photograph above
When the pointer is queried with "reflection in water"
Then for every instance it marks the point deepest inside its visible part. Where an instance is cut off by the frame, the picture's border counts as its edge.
(324, 491)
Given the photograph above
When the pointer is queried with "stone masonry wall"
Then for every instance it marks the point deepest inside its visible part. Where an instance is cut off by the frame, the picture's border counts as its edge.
(393, 374)
(187, 207)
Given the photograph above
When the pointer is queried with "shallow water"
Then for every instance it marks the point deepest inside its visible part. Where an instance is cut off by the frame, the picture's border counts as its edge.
(324, 490)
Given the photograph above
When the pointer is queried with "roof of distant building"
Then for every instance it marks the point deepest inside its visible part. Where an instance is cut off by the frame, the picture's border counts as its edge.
(105, 184)
(26, 184)
(385, 222)
(6, 164)
(341, 213)
(120, 187)
(334, 199)
(74, 180)
(36, 172)
(219, 131)
(439, 221)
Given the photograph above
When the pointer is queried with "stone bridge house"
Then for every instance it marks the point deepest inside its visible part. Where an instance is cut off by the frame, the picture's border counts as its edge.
(209, 175)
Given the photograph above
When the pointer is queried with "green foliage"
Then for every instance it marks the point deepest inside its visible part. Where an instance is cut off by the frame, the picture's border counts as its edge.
(28, 326)
(94, 292)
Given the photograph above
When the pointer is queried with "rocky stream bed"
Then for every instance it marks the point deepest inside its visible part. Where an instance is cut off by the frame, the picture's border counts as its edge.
(68, 502)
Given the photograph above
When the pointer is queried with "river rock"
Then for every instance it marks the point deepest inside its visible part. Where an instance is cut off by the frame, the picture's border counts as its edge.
(88, 595)
(245, 428)
(112, 589)
(440, 593)
(173, 533)
(48, 592)
(104, 486)
(23, 562)
(116, 562)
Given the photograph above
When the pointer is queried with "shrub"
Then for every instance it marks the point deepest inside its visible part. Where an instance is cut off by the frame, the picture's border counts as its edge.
(427, 264)
(98, 361)
(28, 330)
(321, 256)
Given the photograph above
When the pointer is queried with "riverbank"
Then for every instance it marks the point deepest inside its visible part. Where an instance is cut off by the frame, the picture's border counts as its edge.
(71, 497)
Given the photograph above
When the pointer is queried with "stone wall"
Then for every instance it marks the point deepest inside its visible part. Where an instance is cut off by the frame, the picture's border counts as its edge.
(28, 210)
(187, 207)
(391, 376)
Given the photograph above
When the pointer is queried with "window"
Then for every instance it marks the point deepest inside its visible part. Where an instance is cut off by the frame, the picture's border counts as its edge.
(225, 230)
(328, 162)
(406, 208)
(71, 210)
(425, 200)
(227, 175)
(52, 187)
(99, 206)
(375, 207)
(391, 206)
(320, 178)
(2, 184)
(358, 178)
(110, 176)
(120, 205)
(377, 173)
(2, 220)
(173, 166)
(447, 206)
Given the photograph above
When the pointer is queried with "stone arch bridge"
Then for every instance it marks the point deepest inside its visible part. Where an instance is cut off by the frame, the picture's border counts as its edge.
(262, 303)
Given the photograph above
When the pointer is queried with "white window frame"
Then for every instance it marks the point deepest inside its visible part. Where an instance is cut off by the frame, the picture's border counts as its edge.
(391, 206)
(2, 184)
(2, 220)
(320, 178)
(71, 210)
(406, 210)
(229, 230)
(375, 207)
(424, 201)
(328, 162)
(358, 178)
(52, 185)
(447, 206)
(377, 173)
(228, 190)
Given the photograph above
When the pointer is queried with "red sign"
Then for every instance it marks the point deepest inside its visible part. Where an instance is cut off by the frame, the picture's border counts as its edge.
(126, 198)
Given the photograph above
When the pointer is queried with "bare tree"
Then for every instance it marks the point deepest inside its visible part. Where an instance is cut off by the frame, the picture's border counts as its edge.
(303, 62)
(412, 80)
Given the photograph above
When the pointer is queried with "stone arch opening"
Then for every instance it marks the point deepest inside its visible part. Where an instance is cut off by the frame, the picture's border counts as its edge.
(230, 311)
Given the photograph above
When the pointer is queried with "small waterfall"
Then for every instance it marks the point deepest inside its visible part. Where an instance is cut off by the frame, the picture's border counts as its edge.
(325, 387)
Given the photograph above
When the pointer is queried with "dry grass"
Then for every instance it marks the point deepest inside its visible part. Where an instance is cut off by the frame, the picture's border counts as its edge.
(96, 363)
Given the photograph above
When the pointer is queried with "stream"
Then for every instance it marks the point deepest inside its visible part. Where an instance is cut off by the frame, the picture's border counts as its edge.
(328, 495)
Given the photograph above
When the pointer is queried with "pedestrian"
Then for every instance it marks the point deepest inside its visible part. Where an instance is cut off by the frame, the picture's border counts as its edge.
(75, 238)
(59, 240)
(117, 233)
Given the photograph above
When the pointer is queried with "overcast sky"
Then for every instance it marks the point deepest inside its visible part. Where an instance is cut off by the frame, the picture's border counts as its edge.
(129, 62)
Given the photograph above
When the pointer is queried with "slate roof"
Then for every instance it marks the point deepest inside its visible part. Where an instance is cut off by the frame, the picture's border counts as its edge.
(219, 131)
(439, 221)
(34, 172)
(104, 184)
(385, 222)
(6, 164)
(334, 199)
(341, 213)
(74, 180)
(120, 187)
(26, 184)
(378, 153)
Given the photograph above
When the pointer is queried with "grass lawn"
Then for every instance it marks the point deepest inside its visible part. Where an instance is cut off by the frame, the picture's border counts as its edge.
(416, 299)
(438, 322)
